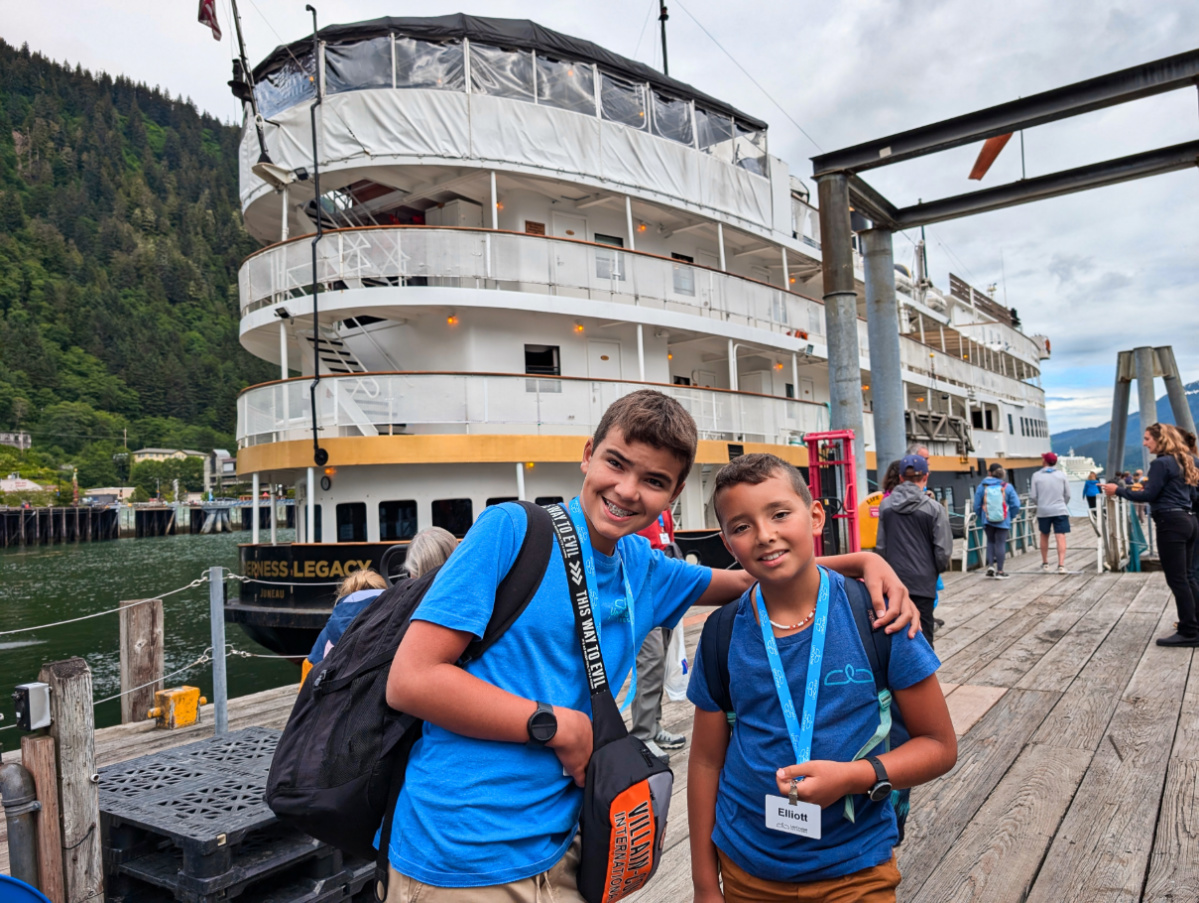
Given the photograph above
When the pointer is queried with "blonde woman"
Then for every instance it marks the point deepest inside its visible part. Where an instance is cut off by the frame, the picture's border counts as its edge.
(358, 590)
(1169, 489)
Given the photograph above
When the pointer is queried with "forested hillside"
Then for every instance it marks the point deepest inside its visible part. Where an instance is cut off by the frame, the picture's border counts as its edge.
(120, 239)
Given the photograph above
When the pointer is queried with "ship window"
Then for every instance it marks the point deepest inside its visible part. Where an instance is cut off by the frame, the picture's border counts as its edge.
(316, 524)
(291, 83)
(684, 276)
(500, 72)
(548, 499)
(542, 360)
(681, 380)
(714, 132)
(397, 520)
(609, 264)
(455, 515)
(353, 67)
(622, 101)
(499, 500)
(568, 86)
(427, 64)
(672, 119)
(351, 522)
(789, 390)
(1011, 429)
(749, 148)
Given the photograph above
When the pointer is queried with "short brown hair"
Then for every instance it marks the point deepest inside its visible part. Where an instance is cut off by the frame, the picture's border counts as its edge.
(656, 420)
(755, 469)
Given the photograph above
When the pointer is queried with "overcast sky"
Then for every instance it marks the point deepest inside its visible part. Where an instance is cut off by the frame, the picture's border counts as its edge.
(1097, 272)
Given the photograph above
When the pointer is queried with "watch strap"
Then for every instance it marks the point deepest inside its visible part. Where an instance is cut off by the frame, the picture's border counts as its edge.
(542, 708)
(880, 773)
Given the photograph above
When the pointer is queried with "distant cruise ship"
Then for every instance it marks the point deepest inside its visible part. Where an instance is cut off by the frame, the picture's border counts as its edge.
(1078, 468)
(520, 227)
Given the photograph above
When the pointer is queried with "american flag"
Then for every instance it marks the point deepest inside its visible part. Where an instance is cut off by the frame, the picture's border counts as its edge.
(208, 17)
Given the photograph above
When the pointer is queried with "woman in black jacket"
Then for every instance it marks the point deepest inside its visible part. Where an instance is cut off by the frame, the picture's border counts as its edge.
(1169, 490)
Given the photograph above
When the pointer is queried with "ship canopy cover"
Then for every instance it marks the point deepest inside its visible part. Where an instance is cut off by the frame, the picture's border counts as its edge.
(515, 33)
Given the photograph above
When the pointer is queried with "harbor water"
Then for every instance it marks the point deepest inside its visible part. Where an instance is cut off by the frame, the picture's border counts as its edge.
(46, 584)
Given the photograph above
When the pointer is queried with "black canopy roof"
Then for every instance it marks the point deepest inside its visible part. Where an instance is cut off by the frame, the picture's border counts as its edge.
(521, 33)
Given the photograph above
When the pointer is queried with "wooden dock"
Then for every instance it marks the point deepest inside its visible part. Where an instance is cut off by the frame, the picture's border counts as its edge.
(1078, 765)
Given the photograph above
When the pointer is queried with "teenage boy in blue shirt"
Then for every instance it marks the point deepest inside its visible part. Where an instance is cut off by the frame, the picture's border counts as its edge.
(787, 804)
(488, 812)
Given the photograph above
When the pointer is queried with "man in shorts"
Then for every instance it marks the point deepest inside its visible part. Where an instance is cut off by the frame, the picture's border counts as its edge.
(1050, 492)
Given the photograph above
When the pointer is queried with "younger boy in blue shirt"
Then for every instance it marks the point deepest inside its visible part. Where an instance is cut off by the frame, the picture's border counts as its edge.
(490, 806)
(766, 798)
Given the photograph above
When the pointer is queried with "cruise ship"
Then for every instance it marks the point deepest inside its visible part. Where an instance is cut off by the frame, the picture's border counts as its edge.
(517, 227)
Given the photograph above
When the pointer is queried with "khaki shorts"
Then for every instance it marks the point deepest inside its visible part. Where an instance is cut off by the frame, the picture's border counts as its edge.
(557, 885)
(873, 885)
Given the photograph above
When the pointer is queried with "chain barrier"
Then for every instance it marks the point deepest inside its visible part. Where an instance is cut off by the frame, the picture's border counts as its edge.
(230, 649)
(197, 582)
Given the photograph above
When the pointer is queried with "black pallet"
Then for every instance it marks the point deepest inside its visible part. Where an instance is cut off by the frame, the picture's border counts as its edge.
(193, 821)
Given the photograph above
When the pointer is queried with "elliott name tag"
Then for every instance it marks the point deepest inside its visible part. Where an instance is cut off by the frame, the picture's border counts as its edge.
(802, 818)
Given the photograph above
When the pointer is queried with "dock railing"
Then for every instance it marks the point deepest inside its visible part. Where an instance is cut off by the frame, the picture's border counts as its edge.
(1021, 537)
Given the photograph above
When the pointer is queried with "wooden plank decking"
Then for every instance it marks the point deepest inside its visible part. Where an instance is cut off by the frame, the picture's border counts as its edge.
(1078, 764)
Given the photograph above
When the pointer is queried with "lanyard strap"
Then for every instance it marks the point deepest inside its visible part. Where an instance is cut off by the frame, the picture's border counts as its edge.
(623, 607)
(799, 731)
(577, 555)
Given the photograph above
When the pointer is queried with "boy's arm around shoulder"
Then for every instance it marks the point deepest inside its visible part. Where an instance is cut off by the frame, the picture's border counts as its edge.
(709, 744)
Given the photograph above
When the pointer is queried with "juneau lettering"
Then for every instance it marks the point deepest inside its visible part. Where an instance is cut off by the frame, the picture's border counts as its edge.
(792, 814)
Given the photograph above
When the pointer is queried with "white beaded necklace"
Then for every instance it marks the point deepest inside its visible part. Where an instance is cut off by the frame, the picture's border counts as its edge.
(795, 626)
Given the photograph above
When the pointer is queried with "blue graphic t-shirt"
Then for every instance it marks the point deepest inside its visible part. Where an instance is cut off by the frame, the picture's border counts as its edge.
(846, 717)
(479, 812)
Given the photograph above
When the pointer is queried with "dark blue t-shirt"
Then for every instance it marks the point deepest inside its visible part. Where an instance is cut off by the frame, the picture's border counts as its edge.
(847, 715)
(481, 812)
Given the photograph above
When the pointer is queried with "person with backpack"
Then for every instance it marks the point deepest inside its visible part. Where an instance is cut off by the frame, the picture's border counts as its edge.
(493, 794)
(914, 537)
(790, 780)
(995, 504)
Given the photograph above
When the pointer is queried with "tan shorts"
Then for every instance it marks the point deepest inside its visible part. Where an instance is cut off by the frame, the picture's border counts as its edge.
(558, 885)
(873, 885)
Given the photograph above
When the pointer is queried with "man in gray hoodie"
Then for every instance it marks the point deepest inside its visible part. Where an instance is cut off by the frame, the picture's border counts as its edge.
(914, 537)
(1050, 492)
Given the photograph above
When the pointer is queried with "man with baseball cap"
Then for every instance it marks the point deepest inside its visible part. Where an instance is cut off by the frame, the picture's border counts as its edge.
(914, 537)
(1050, 492)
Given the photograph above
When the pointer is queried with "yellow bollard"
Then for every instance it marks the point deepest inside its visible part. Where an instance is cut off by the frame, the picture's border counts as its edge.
(177, 707)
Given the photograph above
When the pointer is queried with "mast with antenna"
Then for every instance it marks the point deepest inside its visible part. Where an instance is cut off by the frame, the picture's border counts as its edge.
(662, 17)
(319, 455)
(247, 77)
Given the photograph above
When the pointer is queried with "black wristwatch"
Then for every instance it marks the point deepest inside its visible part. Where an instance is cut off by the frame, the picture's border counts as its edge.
(882, 787)
(543, 724)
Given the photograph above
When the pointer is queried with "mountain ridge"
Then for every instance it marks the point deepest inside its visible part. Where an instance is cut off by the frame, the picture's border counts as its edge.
(1092, 440)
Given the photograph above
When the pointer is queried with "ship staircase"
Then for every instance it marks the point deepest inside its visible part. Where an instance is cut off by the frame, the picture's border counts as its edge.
(359, 399)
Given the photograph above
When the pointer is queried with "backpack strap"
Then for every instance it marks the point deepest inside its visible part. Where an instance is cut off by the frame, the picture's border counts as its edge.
(520, 584)
(877, 644)
(714, 643)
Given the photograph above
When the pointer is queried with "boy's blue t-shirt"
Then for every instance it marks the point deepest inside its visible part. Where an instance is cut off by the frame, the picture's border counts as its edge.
(846, 717)
(479, 812)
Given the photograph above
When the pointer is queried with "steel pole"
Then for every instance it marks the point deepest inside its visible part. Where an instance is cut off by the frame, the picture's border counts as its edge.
(1174, 388)
(1146, 399)
(216, 615)
(254, 511)
(841, 316)
(882, 326)
(20, 805)
(1119, 429)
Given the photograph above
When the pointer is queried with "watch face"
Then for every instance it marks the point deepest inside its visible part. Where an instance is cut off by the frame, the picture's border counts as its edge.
(880, 791)
(543, 726)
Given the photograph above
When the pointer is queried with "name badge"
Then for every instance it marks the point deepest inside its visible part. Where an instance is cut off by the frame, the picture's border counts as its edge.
(800, 818)
(664, 539)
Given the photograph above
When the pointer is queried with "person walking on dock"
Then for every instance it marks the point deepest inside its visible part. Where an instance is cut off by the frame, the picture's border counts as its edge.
(1090, 490)
(914, 537)
(1050, 492)
(995, 504)
(1170, 491)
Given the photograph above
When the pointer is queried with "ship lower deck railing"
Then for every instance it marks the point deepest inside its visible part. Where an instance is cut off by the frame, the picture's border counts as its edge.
(373, 404)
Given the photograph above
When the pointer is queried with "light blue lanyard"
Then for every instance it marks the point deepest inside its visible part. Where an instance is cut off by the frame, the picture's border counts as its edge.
(799, 731)
(622, 608)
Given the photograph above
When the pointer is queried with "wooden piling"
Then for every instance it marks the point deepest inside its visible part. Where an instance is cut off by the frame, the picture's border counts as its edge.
(37, 755)
(141, 656)
(73, 729)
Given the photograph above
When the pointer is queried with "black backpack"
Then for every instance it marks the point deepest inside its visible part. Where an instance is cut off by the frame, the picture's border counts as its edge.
(717, 636)
(340, 762)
